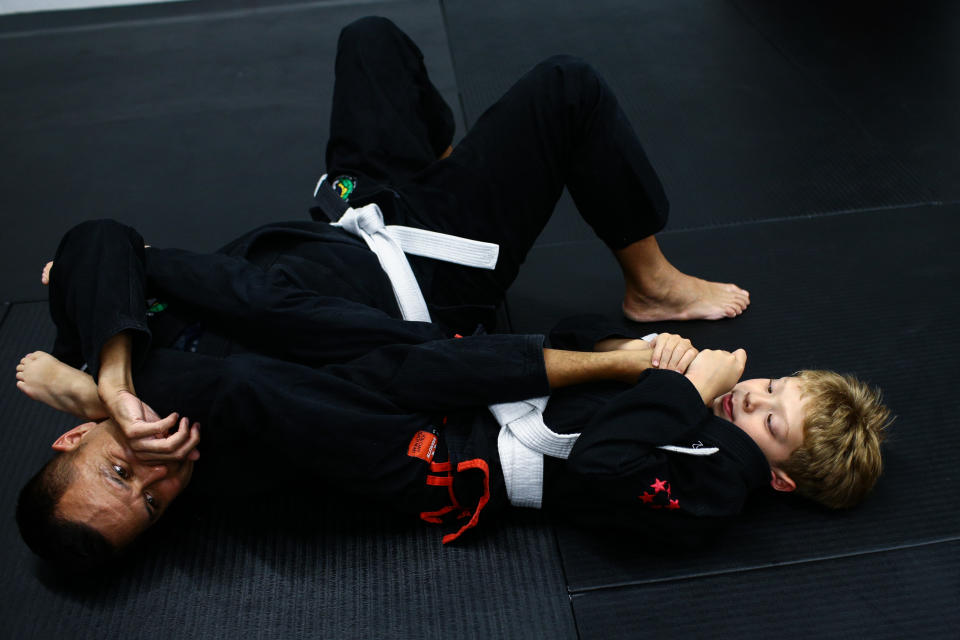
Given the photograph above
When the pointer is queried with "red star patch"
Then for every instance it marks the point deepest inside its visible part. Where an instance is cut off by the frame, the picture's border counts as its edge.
(658, 486)
(674, 504)
(646, 497)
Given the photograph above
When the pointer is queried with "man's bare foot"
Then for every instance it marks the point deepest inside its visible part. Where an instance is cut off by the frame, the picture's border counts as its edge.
(682, 297)
(42, 377)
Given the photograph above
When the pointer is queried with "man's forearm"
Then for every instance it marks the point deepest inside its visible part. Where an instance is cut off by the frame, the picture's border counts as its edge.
(116, 365)
(565, 368)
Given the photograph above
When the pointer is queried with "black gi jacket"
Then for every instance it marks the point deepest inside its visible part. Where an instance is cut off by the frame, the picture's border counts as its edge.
(340, 390)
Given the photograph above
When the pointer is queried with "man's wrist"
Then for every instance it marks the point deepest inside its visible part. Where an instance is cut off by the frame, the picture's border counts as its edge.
(115, 370)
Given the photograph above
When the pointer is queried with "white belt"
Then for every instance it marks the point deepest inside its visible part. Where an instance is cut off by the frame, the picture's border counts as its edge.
(390, 243)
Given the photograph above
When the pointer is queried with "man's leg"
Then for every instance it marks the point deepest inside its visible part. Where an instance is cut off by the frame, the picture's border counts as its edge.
(560, 125)
(388, 121)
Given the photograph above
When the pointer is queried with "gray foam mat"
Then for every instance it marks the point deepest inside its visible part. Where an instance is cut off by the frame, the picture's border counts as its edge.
(887, 64)
(909, 593)
(295, 565)
(735, 129)
(862, 293)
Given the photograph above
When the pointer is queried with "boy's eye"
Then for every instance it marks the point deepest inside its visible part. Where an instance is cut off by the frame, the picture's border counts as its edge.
(120, 471)
(770, 386)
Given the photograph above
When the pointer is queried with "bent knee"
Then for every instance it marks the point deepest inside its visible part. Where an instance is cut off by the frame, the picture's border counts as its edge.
(368, 29)
(569, 66)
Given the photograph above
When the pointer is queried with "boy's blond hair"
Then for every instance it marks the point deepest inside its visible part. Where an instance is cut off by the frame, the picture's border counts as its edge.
(839, 460)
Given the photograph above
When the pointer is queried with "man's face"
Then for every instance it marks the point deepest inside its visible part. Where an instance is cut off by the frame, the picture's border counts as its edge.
(770, 411)
(112, 491)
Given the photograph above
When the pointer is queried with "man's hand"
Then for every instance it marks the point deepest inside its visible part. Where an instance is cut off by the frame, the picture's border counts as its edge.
(715, 372)
(45, 274)
(673, 352)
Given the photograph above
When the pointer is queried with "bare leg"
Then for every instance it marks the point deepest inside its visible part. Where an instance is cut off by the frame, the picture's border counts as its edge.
(42, 377)
(656, 290)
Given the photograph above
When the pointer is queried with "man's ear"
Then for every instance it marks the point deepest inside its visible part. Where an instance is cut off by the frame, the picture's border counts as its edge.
(71, 439)
(780, 481)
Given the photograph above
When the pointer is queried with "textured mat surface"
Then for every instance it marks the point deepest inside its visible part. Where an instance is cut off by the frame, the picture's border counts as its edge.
(296, 566)
(909, 593)
(855, 292)
(735, 129)
(889, 64)
(192, 129)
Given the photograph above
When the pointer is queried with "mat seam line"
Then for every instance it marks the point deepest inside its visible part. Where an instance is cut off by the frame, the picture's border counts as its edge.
(453, 63)
(566, 579)
(794, 563)
(746, 223)
(7, 307)
(232, 14)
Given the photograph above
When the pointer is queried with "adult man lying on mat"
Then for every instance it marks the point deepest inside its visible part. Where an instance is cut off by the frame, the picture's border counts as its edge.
(404, 424)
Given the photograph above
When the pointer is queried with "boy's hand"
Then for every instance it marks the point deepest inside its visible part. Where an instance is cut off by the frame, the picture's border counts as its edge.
(715, 372)
(673, 352)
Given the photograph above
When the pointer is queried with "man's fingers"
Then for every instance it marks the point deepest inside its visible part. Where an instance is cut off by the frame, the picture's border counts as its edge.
(45, 275)
(175, 447)
(139, 429)
(162, 442)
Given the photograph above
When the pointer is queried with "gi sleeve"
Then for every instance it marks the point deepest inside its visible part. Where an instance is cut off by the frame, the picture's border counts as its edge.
(262, 309)
(621, 438)
(580, 333)
(97, 290)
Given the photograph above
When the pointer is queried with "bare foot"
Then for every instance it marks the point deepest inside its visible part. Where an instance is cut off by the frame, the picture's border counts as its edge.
(682, 297)
(42, 377)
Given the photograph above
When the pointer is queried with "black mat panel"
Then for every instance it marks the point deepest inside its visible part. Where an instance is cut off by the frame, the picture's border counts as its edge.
(736, 131)
(193, 131)
(890, 65)
(296, 566)
(859, 292)
(908, 593)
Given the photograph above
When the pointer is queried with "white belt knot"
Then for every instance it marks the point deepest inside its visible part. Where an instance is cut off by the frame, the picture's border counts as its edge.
(390, 243)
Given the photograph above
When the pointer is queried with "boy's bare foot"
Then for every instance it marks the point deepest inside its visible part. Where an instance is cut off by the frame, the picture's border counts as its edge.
(42, 377)
(682, 297)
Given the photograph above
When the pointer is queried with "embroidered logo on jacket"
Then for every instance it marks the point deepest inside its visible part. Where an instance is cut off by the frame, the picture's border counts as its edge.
(344, 186)
(661, 497)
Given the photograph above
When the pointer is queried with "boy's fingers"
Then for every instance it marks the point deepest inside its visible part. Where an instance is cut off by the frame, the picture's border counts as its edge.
(681, 350)
(687, 359)
(658, 343)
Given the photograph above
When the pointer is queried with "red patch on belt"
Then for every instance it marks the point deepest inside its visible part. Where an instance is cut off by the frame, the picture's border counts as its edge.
(423, 446)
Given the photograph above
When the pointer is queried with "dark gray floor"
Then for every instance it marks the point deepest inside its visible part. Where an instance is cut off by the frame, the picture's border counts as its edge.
(811, 153)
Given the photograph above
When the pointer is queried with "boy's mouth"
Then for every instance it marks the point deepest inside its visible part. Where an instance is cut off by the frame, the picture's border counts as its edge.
(727, 403)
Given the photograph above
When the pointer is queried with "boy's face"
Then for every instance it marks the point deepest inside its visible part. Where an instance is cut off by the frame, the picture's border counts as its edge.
(771, 412)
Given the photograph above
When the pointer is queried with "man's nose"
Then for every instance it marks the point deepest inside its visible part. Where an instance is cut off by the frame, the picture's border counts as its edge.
(154, 474)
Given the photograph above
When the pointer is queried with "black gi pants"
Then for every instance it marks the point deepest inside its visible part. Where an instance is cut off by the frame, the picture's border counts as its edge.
(559, 126)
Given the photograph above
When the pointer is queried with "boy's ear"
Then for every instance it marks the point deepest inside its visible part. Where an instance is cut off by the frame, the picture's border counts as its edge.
(71, 439)
(780, 481)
